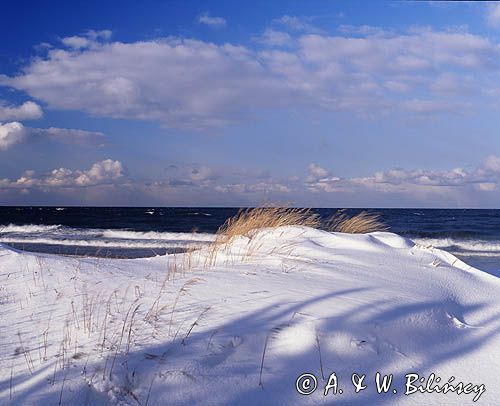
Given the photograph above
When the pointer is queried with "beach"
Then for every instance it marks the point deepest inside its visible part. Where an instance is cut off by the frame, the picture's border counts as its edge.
(241, 323)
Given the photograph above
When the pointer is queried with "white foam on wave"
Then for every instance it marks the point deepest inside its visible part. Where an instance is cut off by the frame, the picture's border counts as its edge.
(154, 235)
(474, 246)
(67, 236)
(28, 228)
(105, 243)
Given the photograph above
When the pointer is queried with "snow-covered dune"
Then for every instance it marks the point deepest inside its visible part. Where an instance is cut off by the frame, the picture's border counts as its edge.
(240, 325)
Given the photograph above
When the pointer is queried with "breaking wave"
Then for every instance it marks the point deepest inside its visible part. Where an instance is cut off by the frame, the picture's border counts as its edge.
(55, 235)
(28, 228)
(463, 246)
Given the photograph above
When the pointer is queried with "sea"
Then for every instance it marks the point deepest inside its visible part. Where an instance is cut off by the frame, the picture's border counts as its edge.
(133, 232)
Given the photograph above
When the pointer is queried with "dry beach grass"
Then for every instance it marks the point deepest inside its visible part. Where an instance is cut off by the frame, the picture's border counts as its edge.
(247, 222)
(361, 223)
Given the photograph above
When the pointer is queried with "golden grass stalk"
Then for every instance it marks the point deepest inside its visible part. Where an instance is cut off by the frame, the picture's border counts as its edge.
(361, 223)
(249, 221)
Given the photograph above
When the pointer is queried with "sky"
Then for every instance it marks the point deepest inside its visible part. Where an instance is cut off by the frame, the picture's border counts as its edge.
(225, 103)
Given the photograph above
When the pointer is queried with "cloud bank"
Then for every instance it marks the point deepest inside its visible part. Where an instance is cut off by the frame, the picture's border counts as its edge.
(106, 179)
(194, 84)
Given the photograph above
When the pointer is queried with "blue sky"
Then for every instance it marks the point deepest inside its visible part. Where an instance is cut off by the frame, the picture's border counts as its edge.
(223, 103)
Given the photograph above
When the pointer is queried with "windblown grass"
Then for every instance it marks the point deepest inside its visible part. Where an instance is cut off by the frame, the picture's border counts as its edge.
(361, 223)
(249, 221)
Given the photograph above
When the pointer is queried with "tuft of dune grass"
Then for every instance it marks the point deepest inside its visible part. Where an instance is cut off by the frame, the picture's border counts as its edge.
(361, 223)
(249, 221)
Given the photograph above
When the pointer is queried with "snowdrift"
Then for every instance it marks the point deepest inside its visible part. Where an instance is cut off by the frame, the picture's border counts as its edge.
(239, 324)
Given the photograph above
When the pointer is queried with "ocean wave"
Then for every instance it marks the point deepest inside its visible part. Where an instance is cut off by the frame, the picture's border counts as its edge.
(90, 237)
(28, 228)
(52, 230)
(461, 245)
(155, 235)
(104, 243)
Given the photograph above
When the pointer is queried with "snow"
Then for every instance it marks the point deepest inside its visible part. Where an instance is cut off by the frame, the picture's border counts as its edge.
(240, 326)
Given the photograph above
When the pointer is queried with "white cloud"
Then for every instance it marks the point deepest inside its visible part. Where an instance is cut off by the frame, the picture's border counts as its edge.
(317, 171)
(26, 111)
(10, 134)
(377, 73)
(487, 186)
(216, 22)
(214, 85)
(295, 23)
(86, 40)
(14, 132)
(456, 186)
(319, 179)
(70, 136)
(103, 172)
(262, 188)
(486, 177)
(416, 72)
(275, 38)
(452, 84)
(76, 42)
(426, 185)
(493, 15)
(490, 166)
(100, 172)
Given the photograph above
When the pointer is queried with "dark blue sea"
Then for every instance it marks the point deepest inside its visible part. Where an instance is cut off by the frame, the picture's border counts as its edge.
(471, 235)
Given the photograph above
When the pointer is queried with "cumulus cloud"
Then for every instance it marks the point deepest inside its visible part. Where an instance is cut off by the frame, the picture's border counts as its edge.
(10, 134)
(215, 22)
(369, 73)
(86, 40)
(103, 172)
(214, 85)
(14, 133)
(320, 179)
(27, 111)
(485, 177)
(275, 38)
(99, 172)
(456, 186)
